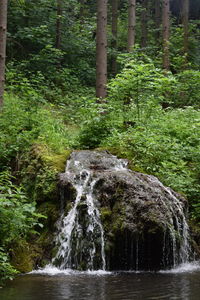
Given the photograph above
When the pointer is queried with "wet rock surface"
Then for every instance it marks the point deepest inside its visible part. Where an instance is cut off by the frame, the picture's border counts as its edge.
(144, 222)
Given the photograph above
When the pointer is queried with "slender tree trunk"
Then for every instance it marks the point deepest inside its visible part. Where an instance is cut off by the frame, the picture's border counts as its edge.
(59, 24)
(3, 30)
(101, 49)
(157, 19)
(114, 35)
(82, 13)
(166, 27)
(185, 19)
(144, 17)
(131, 24)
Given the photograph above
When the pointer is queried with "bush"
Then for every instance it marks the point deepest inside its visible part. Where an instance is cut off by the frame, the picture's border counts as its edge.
(18, 218)
(187, 91)
(168, 146)
(6, 270)
(22, 124)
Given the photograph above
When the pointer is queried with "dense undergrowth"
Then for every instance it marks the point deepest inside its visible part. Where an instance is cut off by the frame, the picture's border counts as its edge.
(150, 118)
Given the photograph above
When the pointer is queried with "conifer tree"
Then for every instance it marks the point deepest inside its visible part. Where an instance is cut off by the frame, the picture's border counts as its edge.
(131, 24)
(3, 30)
(185, 18)
(101, 49)
(58, 24)
(166, 28)
(114, 34)
(144, 17)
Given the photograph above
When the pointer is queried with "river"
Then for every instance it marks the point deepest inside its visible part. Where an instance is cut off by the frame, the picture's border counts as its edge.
(52, 284)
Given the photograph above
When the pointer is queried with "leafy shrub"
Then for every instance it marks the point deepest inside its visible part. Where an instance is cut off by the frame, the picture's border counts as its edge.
(18, 218)
(6, 270)
(168, 146)
(139, 83)
(187, 91)
(22, 124)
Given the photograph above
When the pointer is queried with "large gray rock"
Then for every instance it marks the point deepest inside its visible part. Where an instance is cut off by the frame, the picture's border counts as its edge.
(144, 222)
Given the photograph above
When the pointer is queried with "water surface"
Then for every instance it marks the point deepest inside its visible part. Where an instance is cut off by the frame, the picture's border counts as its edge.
(52, 284)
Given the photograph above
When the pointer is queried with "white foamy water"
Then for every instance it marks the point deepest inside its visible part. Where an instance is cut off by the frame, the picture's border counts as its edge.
(53, 271)
(71, 231)
(178, 226)
(183, 268)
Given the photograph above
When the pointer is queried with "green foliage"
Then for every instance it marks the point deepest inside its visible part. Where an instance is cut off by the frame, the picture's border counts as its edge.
(6, 270)
(93, 132)
(32, 39)
(139, 84)
(187, 91)
(167, 146)
(18, 218)
(17, 215)
(23, 123)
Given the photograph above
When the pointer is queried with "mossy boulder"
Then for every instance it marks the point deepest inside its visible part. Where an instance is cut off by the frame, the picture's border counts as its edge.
(24, 256)
(39, 172)
(144, 222)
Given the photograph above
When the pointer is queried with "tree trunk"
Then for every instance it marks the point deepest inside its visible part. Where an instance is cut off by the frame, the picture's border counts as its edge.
(3, 30)
(101, 49)
(185, 18)
(166, 27)
(82, 13)
(144, 16)
(131, 24)
(58, 24)
(114, 35)
(157, 19)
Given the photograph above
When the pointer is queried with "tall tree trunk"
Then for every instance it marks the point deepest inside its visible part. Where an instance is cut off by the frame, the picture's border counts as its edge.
(101, 49)
(114, 35)
(157, 19)
(131, 24)
(3, 30)
(185, 19)
(166, 27)
(58, 24)
(144, 18)
(82, 13)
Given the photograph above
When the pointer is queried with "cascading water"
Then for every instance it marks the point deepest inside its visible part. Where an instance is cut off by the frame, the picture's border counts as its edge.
(143, 226)
(81, 245)
(177, 226)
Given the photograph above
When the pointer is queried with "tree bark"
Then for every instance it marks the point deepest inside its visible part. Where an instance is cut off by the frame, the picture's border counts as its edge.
(144, 17)
(3, 30)
(101, 49)
(131, 24)
(166, 28)
(59, 24)
(82, 13)
(157, 19)
(185, 19)
(114, 35)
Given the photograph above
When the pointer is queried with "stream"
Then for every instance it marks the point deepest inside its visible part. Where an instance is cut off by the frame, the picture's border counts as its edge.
(52, 284)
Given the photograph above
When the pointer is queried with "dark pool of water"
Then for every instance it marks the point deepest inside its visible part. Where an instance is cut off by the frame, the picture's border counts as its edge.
(115, 286)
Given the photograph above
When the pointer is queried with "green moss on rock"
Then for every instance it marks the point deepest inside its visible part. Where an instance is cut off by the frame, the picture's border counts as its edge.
(40, 172)
(24, 256)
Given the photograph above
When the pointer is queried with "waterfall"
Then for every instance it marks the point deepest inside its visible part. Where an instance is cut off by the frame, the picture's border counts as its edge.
(153, 232)
(177, 226)
(78, 243)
